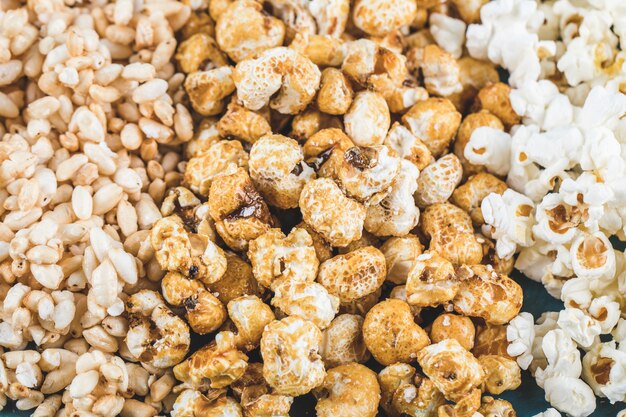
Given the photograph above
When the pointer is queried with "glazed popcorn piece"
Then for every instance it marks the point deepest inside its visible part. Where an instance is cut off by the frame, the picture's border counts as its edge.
(380, 17)
(208, 89)
(432, 281)
(438, 216)
(502, 373)
(281, 70)
(400, 254)
(451, 326)
(471, 194)
(310, 301)
(433, 121)
(354, 275)
(335, 94)
(330, 213)
(348, 390)
(470, 124)
(438, 180)
(277, 258)
(408, 146)
(324, 151)
(256, 396)
(291, 363)
(390, 333)
(367, 120)
(343, 341)
(403, 391)
(485, 293)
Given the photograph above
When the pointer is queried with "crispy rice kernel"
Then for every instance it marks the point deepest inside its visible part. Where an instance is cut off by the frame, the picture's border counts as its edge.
(435, 122)
(472, 122)
(432, 281)
(453, 370)
(470, 195)
(239, 211)
(485, 293)
(503, 374)
(342, 341)
(291, 362)
(278, 170)
(390, 333)
(216, 365)
(348, 391)
(353, 275)
(451, 326)
(155, 335)
(243, 29)
(438, 216)
(329, 212)
(277, 258)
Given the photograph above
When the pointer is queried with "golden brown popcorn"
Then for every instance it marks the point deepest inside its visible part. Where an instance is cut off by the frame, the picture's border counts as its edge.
(431, 281)
(323, 50)
(335, 93)
(491, 340)
(240, 213)
(406, 145)
(237, 280)
(208, 89)
(472, 122)
(257, 398)
(441, 215)
(470, 195)
(451, 326)
(155, 335)
(438, 180)
(291, 362)
(282, 77)
(249, 315)
(323, 250)
(361, 305)
(491, 407)
(171, 245)
(439, 68)
(216, 365)
(396, 214)
(243, 29)
(192, 403)
(367, 239)
(330, 213)
(407, 393)
(205, 313)
(353, 275)
(435, 122)
(502, 374)
(367, 120)
(399, 292)
(199, 22)
(459, 246)
(495, 98)
(453, 370)
(342, 341)
(380, 17)
(349, 390)
(467, 406)
(278, 170)
(308, 300)
(367, 173)
(400, 255)
(310, 121)
(469, 11)
(324, 151)
(205, 135)
(200, 171)
(390, 333)
(176, 288)
(200, 52)
(485, 293)
(276, 257)
(474, 75)
(241, 123)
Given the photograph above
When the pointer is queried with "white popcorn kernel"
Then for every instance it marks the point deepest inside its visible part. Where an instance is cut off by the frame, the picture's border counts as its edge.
(570, 395)
(580, 327)
(449, 33)
(520, 333)
(489, 147)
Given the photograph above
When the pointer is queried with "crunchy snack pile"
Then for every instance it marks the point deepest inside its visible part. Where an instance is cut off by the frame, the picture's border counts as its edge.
(565, 163)
(211, 207)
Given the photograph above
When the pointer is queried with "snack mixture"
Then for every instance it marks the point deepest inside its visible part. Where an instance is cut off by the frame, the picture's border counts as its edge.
(210, 208)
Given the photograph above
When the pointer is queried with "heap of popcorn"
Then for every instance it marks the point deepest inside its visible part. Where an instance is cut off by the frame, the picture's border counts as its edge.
(211, 207)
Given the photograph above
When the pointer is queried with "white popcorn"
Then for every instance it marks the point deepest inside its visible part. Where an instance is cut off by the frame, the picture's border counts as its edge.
(562, 357)
(449, 33)
(604, 369)
(579, 326)
(489, 147)
(606, 312)
(508, 218)
(570, 395)
(520, 333)
(550, 412)
(576, 293)
(593, 256)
